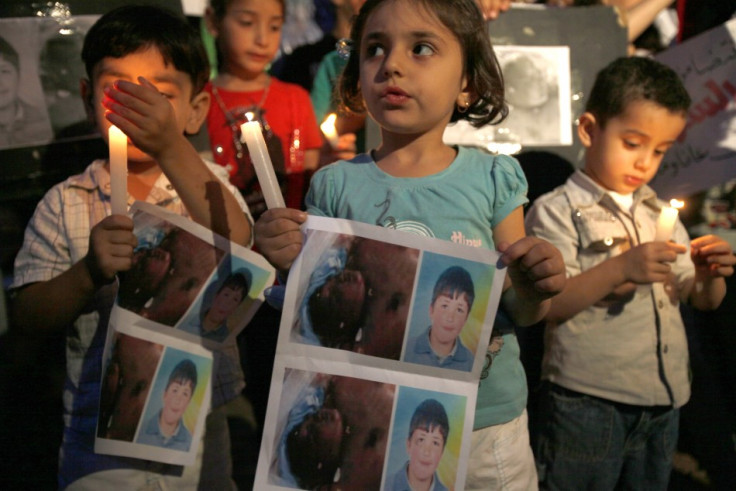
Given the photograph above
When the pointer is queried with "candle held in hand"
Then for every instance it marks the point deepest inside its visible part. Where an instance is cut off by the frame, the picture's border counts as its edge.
(118, 144)
(253, 137)
(666, 221)
(328, 129)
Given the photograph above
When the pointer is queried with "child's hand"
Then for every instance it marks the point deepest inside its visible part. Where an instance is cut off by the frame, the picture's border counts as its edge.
(144, 114)
(278, 237)
(647, 263)
(536, 268)
(492, 8)
(712, 256)
(111, 244)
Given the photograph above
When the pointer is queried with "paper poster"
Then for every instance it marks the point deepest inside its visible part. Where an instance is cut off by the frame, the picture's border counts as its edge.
(537, 81)
(189, 292)
(705, 154)
(363, 306)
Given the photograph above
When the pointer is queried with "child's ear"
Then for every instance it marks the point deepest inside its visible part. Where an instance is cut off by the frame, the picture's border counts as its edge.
(211, 22)
(200, 106)
(586, 128)
(465, 98)
(88, 97)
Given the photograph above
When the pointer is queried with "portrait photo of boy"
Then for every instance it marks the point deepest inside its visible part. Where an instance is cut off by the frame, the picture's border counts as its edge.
(445, 327)
(166, 428)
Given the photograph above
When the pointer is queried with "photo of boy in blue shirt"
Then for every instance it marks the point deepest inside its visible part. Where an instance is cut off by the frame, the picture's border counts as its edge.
(166, 428)
(425, 444)
(440, 344)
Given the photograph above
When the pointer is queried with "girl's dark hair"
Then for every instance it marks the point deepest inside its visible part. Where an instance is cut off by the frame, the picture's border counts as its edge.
(483, 72)
(631, 79)
(128, 29)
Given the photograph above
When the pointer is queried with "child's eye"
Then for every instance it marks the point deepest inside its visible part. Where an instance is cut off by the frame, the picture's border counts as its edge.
(374, 50)
(423, 49)
(630, 144)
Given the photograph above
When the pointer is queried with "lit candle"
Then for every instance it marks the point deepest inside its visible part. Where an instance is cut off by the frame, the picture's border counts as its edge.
(666, 221)
(253, 137)
(328, 129)
(118, 144)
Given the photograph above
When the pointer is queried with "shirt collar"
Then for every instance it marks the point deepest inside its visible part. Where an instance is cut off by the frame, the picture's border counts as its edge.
(584, 191)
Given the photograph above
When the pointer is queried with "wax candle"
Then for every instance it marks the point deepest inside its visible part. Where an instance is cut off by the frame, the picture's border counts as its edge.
(118, 144)
(328, 129)
(666, 221)
(251, 133)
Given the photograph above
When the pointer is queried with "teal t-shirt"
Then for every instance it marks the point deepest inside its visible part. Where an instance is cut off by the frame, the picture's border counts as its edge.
(461, 204)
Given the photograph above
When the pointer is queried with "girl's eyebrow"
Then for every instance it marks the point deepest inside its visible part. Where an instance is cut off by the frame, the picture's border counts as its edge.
(380, 35)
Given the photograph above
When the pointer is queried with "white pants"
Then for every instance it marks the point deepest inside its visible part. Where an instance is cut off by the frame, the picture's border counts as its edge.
(211, 470)
(501, 458)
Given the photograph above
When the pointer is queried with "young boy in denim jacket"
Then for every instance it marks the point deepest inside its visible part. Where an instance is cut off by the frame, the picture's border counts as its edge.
(146, 69)
(616, 359)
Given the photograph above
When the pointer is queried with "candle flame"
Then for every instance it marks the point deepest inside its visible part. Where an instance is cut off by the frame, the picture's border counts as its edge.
(330, 119)
(676, 203)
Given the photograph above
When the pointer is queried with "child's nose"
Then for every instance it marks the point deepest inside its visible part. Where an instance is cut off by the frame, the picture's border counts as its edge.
(392, 63)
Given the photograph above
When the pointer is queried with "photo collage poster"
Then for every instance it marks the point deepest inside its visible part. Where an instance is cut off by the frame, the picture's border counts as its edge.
(364, 306)
(189, 292)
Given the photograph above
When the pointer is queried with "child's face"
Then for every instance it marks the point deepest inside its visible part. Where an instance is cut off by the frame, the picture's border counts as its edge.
(425, 451)
(249, 35)
(411, 69)
(448, 316)
(325, 430)
(225, 303)
(173, 84)
(8, 83)
(626, 153)
(176, 399)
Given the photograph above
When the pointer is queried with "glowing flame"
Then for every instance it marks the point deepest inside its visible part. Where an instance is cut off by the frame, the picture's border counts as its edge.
(676, 203)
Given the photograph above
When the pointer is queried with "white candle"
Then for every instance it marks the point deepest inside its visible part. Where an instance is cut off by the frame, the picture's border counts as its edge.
(251, 132)
(666, 221)
(118, 144)
(328, 129)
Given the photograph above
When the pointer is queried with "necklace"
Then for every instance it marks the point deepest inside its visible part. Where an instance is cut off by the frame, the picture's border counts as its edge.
(241, 114)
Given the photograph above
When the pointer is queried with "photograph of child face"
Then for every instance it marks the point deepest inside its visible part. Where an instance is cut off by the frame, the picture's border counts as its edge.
(425, 440)
(23, 117)
(126, 383)
(170, 267)
(445, 335)
(358, 295)
(425, 444)
(222, 298)
(335, 431)
(166, 427)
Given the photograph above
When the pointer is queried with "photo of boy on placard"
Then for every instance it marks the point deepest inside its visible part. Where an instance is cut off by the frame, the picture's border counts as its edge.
(449, 307)
(425, 440)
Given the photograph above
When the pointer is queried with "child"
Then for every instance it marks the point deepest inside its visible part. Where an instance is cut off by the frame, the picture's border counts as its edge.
(166, 428)
(146, 70)
(425, 444)
(248, 33)
(616, 354)
(440, 345)
(420, 64)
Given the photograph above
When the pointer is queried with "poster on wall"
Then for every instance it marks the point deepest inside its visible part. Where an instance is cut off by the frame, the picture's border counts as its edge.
(365, 313)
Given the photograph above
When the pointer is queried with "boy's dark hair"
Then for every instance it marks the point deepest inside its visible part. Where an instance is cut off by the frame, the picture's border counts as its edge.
(128, 29)
(631, 79)
(184, 371)
(305, 462)
(219, 7)
(236, 281)
(453, 281)
(9, 54)
(428, 415)
(465, 21)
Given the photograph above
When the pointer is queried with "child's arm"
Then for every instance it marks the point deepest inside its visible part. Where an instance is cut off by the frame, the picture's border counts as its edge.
(149, 120)
(536, 271)
(643, 264)
(278, 237)
(714, 260)
(56, 303)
